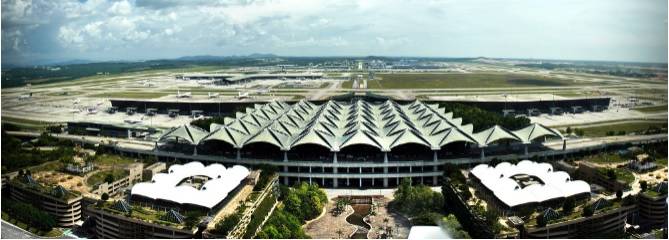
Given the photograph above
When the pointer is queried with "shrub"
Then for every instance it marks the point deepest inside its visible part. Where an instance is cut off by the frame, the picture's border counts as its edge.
(568, 205)
(588, 211)
(228, 223)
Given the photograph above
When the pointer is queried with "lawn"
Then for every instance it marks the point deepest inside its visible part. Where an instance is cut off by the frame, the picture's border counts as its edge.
(136, 95)
(605, 158)
(653, 109)
(600, 131)
(461, 80)
(100, 176)
(105, 159)
(621, 174)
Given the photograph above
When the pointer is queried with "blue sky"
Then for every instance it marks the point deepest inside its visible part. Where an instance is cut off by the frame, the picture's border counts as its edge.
(615, 30)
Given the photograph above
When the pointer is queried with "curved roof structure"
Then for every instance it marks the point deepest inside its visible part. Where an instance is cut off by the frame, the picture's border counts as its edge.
(335, 125)
(553, 184)
(189, 133)
(165, 186)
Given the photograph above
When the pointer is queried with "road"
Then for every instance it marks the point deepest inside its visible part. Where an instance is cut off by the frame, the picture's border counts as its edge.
(13, 232)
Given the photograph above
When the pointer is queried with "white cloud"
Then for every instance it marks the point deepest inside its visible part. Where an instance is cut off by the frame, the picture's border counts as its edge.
(554, 29)
(121, 8)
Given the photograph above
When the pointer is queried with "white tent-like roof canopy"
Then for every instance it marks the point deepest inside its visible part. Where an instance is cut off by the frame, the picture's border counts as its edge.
(335, 125)
(556, 184)
(165, 186)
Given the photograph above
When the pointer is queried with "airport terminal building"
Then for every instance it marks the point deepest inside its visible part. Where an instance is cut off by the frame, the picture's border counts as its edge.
(347, 144)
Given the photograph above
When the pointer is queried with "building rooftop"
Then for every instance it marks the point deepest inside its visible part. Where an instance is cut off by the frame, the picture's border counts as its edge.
(503, 181)
(335, 125)
(169, 186)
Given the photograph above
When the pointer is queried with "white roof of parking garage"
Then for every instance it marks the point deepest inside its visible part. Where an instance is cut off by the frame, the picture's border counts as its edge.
(335, 125)
(164, 186)
(556, 184)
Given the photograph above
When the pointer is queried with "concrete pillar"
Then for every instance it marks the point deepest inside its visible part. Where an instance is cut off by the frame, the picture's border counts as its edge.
(564, 144)
(526, 152)
(385, 179)
(335, 183)
(334, 158)
(285, 156)
(348, 182)
(155, 148)
(309, 174)
(435, 180)
(385, 157)
(239, 154)
(434, 156)
(129, 134)
(360, 183)
(482, 154)
(285, 181)
(195, 151)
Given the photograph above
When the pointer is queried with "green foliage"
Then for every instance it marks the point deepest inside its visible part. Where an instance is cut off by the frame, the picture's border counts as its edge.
(541, 221)
(619, 194)
(259, 215)
(416, 200)
(266, 174)
(644, 185)
(104, 197)
(568, 205)
(426, 219)
(14, 157)
(483, 119)
(301, 203)
(224, 226)
(453, 227)
(588, 211)
(611, 174)
(282, 225)
(305, 201)
(29, 214)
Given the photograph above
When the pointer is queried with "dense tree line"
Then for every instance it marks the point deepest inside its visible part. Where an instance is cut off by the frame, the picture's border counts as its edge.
(482, 119)
(259, 215)
(301, 203)
(15, 157)
(28, 214)
(416, 200)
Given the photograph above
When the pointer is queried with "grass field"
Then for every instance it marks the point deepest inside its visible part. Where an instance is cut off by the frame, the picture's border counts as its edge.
(606, 158)
(460, 80)
(136, 95)
(600, 131)
(653, 109)
(109, 160)
(100, 176)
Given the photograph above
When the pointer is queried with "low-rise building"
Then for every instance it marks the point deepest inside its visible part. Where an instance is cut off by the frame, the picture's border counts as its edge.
(64, 205)
(134, 175)
(119, 220)
(152, 170)
(653, 206)
(171, 205)
(607, 222)
(592, 174)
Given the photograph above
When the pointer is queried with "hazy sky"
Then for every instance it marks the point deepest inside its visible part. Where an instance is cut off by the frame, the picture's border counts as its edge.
(624, 30)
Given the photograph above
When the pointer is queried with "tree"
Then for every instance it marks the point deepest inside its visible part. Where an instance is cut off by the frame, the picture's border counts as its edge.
(568, 131)
(619, 194)
(109, 178)
(453, 227)
(588, 211)
(104, 197)
(611, 174)
(541, 221)
(644, 185)
(568, 205)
